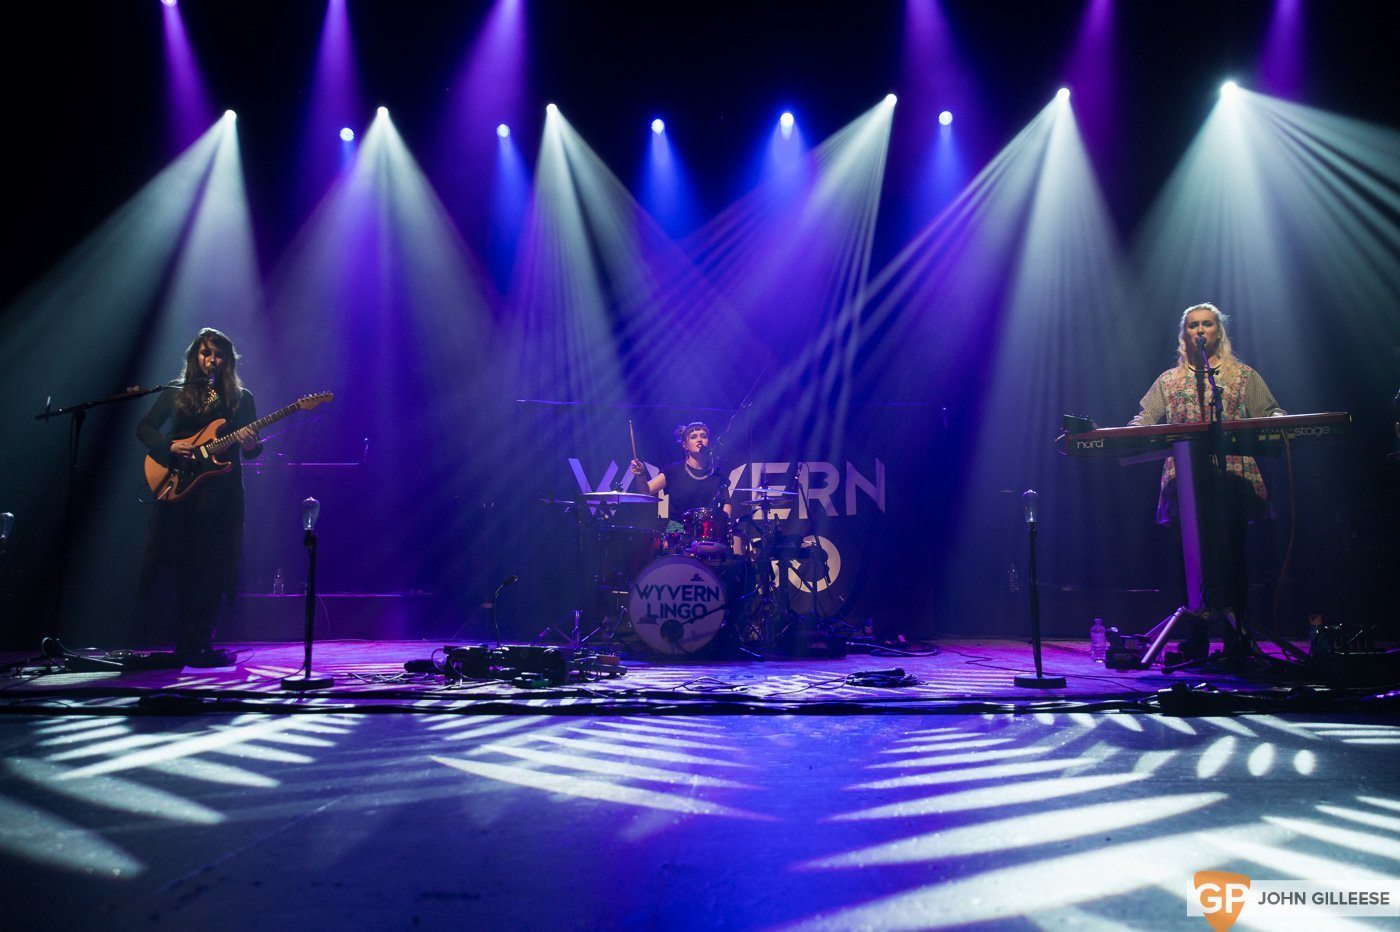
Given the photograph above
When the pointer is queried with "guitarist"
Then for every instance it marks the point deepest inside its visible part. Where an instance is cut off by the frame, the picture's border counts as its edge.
(199, 537)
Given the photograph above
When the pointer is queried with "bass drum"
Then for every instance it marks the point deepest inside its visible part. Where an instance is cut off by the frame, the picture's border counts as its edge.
(677, 605)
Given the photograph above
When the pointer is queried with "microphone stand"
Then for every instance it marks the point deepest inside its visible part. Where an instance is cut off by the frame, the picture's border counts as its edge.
(496, 597)
(1038, 680)
(78, 412)
(1223, 569)
(311, 510)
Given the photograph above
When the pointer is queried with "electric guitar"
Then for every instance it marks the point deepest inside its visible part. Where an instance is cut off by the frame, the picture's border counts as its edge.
(172, 483)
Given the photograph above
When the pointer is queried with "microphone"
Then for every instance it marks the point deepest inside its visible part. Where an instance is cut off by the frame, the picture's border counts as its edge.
(508, 581)
(310, 513)
(1201, 348)
(1030, 501)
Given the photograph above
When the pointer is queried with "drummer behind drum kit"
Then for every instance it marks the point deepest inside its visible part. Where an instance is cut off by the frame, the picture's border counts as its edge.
(684, 588)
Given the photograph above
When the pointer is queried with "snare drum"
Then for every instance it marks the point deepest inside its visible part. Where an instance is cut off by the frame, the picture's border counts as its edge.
(708, 532)
(677, 605)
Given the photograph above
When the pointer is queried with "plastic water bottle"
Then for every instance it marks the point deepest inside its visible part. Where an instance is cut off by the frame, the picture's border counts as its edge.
(279, 585)
(1098, 641)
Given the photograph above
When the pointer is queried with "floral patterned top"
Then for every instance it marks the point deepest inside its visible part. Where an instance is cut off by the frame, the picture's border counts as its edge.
(1172, 399)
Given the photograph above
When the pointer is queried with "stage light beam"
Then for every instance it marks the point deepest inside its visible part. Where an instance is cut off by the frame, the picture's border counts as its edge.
(945, 118)
(503, 131)
(658, 126)
(347, 134)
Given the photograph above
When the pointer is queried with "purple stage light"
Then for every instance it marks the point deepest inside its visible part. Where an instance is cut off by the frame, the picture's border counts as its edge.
(1090, 71)
(190, 109)
(490, 88)
(169, 2)
(658, 126)
(347, 134)
(945, 118)
(1281, 65)
(503, 131)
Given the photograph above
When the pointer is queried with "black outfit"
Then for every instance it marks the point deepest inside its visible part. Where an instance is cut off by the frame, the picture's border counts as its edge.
(199, 537)
(686, 492)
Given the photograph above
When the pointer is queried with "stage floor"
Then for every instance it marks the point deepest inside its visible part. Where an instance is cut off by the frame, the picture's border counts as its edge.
(212, 799)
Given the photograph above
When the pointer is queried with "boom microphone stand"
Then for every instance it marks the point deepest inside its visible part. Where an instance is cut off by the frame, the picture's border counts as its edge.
(78, 412)
(1031, 501)
(310, 511)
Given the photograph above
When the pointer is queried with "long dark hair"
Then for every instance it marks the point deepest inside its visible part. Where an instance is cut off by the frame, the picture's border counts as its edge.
(193, 387)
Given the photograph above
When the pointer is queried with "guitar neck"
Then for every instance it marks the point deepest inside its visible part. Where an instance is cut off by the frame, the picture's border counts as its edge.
(248, 430)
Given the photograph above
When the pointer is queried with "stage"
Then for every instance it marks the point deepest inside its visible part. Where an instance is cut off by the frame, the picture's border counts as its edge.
(704, 794)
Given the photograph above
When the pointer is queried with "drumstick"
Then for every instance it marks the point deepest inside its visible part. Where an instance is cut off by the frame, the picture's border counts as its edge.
(633, 435)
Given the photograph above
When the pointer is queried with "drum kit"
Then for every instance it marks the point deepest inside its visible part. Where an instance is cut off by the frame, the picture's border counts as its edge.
(707, 582)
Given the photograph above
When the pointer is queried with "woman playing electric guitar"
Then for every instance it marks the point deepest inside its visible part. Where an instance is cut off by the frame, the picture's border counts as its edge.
(199, 535)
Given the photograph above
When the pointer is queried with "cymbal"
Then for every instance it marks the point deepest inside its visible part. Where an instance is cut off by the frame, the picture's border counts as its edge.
(771, 492)
(762, 503)
(619, 497)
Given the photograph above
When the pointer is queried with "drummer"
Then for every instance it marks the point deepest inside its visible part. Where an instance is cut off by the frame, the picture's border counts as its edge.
(693, 482)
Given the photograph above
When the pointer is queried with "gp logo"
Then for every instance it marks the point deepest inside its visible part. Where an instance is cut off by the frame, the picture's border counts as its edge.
(1222, 896)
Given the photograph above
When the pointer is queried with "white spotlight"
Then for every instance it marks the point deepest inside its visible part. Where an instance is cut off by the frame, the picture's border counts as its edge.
(786, 120)
(1229, 90)
(658, 126)
(891, 99)
(382, 111)
(347, 134)
(230, 115)
(1062, 94)
(945, 118)
(168, 2)
(551, 108)
(503, 131)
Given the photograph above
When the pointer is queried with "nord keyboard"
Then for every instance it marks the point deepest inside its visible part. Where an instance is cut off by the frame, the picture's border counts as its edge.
(1255, 436)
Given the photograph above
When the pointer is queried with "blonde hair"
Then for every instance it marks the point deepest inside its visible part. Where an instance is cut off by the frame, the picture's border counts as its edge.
(1229, 365)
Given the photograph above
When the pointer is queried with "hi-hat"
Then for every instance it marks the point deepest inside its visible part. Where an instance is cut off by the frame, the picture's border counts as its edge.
(619, 498)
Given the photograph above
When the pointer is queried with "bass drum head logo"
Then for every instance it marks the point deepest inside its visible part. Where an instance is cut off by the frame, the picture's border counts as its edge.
(677, 605)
